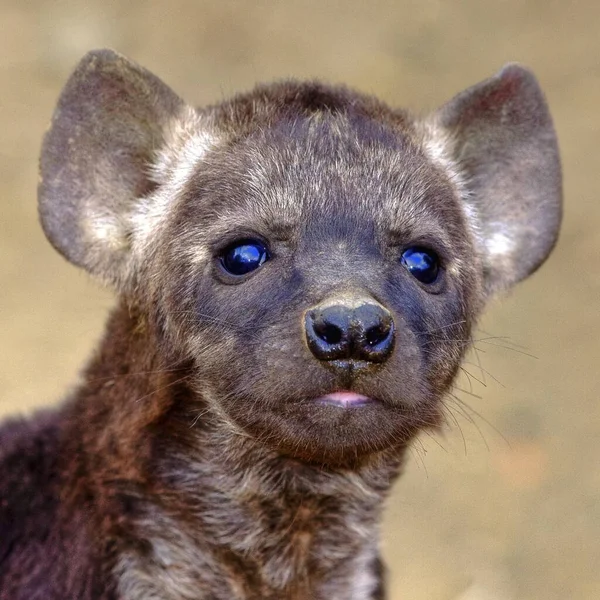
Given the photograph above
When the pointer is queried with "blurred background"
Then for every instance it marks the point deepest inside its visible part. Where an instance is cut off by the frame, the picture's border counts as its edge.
(505, 504)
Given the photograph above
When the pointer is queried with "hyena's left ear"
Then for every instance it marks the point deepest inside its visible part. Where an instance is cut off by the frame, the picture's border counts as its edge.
(499, 136)
(111, 118)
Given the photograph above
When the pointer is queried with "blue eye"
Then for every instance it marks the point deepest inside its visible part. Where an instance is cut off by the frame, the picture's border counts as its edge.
(244, 257)
(423, 264)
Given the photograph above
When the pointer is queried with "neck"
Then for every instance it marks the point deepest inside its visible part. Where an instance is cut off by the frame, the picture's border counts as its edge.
(198, 506)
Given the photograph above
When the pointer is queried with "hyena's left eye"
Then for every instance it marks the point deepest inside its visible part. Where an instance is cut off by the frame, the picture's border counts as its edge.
(244, 256)
(423, 264)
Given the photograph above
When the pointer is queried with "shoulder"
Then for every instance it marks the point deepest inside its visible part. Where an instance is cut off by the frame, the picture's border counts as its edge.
(28, 497)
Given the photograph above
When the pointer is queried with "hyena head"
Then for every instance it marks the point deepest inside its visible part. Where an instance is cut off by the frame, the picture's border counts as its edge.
(317, 257)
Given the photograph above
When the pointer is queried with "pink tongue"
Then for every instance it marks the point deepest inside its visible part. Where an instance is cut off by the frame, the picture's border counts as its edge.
(345, 399)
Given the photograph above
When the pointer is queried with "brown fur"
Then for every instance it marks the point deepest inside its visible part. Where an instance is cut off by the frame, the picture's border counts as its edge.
(195, 462)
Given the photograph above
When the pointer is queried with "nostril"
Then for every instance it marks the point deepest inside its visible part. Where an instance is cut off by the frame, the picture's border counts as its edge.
(328, 332)
(376, 342)
(377, 334)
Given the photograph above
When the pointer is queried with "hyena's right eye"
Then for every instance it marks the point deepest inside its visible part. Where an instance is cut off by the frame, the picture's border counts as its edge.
(244, 256)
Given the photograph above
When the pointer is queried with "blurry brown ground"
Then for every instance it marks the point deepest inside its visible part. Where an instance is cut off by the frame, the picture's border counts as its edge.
(513, 511)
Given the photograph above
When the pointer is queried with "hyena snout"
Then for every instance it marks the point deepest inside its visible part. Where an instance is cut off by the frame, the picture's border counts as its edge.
(349, 329)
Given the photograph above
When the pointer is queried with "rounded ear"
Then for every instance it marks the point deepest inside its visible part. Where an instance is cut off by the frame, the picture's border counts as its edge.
(500, 137)
(111, 118)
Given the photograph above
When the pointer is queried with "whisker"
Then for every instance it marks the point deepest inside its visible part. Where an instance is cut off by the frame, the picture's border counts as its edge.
(507, 338)
(470, 419)
(471, 376)
(164, 387)
(478, 358)
(510, 348)
(443, 327)
(459, 428)
(200, 414)
(434, 439)
(484, 372)
(135, 374)
(480, 416)
(468, 393)
(419, 455)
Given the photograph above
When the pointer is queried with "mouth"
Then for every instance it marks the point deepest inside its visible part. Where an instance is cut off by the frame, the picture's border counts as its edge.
(345, 399)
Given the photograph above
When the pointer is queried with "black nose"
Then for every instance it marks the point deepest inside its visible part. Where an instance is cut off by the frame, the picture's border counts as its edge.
(339, 331)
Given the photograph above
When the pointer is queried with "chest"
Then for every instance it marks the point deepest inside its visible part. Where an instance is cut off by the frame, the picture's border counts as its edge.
(271, 556)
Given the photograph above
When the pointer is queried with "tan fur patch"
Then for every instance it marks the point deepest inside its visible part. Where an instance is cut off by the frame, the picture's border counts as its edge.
(437, 143)
(189, 137)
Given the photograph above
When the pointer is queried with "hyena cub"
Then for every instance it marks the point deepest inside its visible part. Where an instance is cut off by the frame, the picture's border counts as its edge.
(299, 270)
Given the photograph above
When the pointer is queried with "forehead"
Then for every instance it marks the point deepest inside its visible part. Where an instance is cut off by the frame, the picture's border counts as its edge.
(326, 167)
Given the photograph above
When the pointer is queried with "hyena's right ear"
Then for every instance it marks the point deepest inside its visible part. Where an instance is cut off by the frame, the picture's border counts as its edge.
(112, 118)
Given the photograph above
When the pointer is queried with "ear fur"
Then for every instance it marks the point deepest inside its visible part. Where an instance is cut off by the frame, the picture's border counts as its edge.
(111, 119)
(500, 138)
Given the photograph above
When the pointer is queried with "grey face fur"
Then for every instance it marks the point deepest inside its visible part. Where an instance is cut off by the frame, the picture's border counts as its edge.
(146, 192)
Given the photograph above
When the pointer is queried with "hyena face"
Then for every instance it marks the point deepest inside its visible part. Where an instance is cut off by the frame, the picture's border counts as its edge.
(322, 280)
(316, 256)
